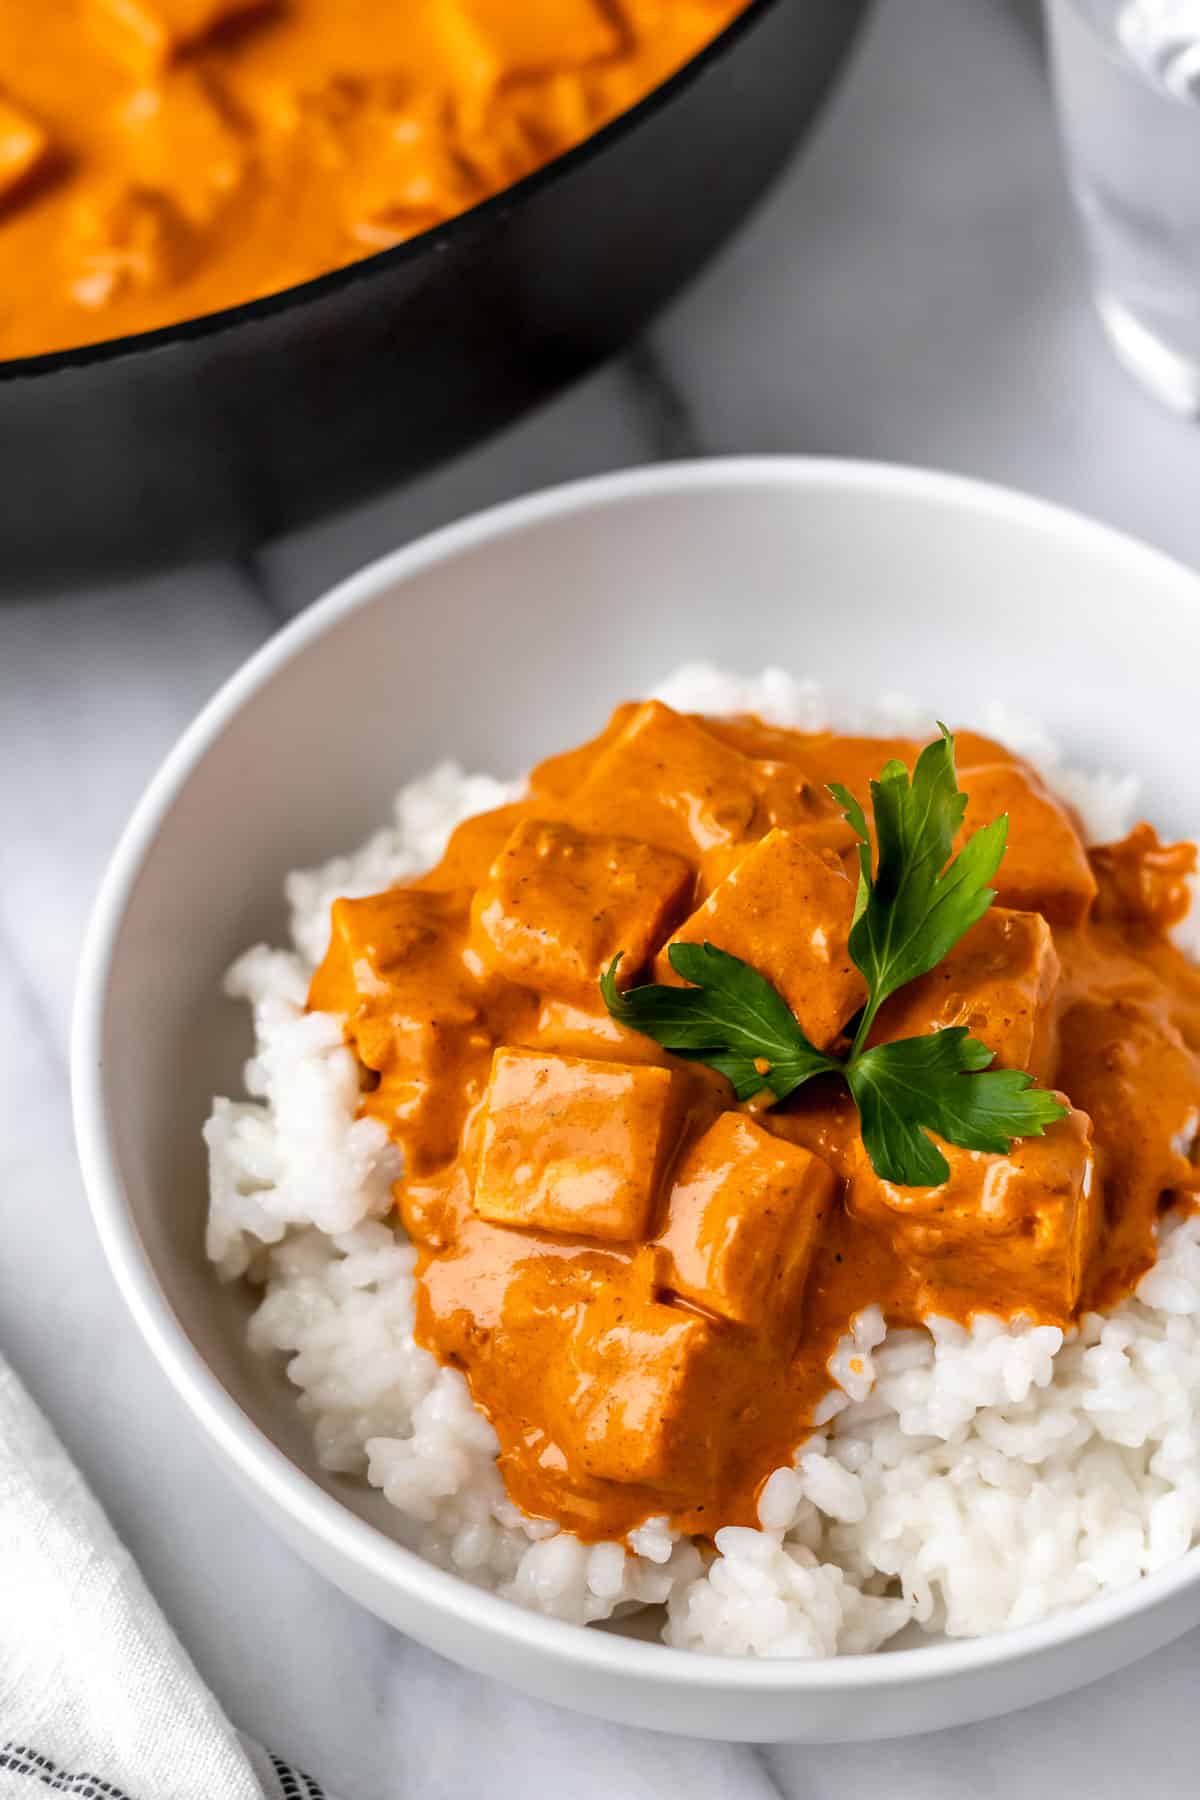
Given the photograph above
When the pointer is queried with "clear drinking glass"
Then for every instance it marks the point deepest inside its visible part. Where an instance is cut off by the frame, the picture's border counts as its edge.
(1128, 79)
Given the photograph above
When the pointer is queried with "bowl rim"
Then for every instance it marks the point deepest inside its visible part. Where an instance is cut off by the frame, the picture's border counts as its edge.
(267, 1469)
(462, 225)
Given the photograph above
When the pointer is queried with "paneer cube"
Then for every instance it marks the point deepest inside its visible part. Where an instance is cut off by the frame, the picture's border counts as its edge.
(787, 911)
(182, 140)
(632, 1401)
(1144, 882)
(149, 33)
(666, 780)
(575, 1146)
(821, 1118)
(787, 791)
(125, 237)
(1004, 1231)
(572, 1030)
(784, 797)
(1045, 867)
(559, 905)
(839, 756)
(1127, 1063)
(998, 981)
(395, 973)
(473, 848)
(742, 1220)
(514, 39)
(404, 160)
(24, 148)
(557, 777)
(825, 755)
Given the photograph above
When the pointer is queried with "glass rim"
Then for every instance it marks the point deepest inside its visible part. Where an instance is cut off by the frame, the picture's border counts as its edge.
(1113, 51)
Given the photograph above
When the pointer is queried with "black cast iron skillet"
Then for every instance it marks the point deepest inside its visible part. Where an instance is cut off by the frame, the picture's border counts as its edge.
(209, 436)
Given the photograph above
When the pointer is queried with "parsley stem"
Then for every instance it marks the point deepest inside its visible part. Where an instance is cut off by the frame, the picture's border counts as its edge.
(866, 1020)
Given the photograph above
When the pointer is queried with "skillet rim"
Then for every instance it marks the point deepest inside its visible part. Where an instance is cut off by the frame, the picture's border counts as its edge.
(439, 238)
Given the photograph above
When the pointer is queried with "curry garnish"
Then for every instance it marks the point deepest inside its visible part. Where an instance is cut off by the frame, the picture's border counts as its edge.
(730, 1018)
(913, 906)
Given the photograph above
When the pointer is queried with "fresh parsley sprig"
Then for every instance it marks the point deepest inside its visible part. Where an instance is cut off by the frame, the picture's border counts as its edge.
(912, 907)
(732, 1019)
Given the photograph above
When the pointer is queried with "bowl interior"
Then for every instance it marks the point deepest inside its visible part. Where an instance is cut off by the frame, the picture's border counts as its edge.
(511, 636)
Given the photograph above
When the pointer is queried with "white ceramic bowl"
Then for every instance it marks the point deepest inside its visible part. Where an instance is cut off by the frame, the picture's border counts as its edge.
(496, 641)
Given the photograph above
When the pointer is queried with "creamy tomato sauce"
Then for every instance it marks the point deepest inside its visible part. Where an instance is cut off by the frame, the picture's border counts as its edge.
(644, 1281)
(165, 158)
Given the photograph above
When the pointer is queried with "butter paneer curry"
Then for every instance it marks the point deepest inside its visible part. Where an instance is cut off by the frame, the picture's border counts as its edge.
(644, 1281)
(165, 158)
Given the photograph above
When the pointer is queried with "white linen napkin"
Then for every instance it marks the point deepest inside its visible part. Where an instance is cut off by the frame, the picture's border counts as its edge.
(98, 1699)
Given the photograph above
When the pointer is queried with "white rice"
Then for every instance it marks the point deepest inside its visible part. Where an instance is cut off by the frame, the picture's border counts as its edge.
(964, 1481)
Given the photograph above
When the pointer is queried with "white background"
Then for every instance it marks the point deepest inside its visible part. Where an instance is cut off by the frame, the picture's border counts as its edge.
(912, 290)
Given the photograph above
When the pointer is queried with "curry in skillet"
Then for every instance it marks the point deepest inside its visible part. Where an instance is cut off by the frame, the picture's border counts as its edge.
(164, 158)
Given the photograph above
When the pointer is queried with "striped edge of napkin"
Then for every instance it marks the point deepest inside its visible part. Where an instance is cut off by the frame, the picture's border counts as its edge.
(98, 1698)
(279, 1780)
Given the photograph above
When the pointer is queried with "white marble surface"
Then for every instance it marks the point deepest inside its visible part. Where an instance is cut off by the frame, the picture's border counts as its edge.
(912, 290)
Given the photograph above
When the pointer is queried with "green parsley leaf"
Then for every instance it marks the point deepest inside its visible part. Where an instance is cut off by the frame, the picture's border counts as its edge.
(935, 1083)
(912, 910)
(731, 1018)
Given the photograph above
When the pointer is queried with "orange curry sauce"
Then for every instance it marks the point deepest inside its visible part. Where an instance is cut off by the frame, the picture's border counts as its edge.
(165, 158)
(642, 1281)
